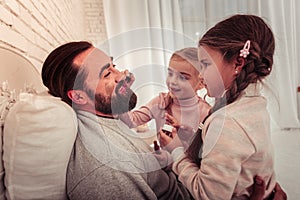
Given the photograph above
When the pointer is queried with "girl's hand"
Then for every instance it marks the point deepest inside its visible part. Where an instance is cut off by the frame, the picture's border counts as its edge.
(186, 135)
(129, 78)
(185, 132)
(172, 121)
(163, 157)
(169, 143)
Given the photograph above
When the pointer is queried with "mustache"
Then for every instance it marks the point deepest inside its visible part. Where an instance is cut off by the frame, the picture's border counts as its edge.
(119, 85)
(124, 82)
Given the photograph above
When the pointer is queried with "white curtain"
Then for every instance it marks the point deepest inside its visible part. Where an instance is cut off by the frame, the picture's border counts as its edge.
(148, 31)
(142, 36)
(285, 21)
(282, 16)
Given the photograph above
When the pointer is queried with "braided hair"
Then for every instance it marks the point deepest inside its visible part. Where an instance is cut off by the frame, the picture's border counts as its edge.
(229, 37)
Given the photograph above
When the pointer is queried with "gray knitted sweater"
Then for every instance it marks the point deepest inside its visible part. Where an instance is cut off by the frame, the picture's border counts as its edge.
(109, 161)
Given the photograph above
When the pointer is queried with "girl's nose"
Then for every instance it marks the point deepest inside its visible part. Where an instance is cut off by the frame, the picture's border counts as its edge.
(173, 79)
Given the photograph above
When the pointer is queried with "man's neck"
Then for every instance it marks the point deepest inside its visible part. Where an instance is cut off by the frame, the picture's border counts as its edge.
(105, 115)
(98, 113)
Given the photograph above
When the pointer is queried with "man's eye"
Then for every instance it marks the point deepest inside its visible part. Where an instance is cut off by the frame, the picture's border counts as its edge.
(107, 74)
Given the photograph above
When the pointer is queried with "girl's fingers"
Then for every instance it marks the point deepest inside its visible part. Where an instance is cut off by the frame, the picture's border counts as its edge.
(170, 119)
(174, 132)
(164, 139)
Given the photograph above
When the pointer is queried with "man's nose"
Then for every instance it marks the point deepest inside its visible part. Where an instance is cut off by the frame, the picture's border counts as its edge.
(120, 75)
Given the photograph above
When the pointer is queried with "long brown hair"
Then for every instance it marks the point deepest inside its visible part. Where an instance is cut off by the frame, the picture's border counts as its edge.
(59, 72)
(229, 37)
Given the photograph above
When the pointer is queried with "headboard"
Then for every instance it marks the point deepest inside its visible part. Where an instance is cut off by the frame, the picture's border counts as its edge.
(18, 71)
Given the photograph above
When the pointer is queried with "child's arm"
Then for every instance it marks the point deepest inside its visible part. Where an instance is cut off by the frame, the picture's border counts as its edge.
(136, 117)
(144, 114)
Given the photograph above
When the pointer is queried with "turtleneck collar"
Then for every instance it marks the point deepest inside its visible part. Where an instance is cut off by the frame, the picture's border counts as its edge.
(186, 102)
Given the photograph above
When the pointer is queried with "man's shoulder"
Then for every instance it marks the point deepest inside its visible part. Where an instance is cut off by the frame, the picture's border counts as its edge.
(81, 162)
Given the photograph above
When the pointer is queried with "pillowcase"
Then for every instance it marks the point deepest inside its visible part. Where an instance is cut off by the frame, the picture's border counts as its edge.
(6, 102)
(38, 136)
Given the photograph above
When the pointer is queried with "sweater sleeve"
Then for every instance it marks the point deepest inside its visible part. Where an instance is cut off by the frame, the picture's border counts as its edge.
(225, 148)
(144, 114)
(136, 117)
(166, 186)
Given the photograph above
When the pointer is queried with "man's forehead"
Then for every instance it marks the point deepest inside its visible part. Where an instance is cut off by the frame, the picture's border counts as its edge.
(90, 56)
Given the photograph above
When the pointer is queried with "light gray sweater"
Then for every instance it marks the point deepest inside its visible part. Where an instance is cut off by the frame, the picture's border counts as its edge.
(109, 161)
(236, 147)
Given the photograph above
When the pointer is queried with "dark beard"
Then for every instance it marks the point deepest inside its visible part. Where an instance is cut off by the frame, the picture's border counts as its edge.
(117, 104)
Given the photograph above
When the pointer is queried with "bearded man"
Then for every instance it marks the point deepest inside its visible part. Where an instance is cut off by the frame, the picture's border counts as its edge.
(109, 161)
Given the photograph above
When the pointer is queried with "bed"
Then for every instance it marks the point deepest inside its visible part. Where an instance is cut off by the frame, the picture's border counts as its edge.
(18, 71)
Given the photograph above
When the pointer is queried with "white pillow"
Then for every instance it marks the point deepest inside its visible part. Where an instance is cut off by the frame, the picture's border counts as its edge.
(39, 133)
(5, 103)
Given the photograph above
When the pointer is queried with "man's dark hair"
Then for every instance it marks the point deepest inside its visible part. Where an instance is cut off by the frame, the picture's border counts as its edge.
(59, 71)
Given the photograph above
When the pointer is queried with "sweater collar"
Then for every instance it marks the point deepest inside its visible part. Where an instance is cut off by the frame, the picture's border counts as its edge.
(252, 90)
(186, 102)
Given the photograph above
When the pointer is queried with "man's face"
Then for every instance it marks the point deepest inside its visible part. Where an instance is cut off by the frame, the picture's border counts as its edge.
(106, 86)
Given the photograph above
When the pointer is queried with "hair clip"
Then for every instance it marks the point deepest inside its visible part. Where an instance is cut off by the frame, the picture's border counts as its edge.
(245, 51)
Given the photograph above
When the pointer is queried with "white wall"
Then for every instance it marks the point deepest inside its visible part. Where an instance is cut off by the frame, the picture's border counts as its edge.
(34, 28)
(94, 21)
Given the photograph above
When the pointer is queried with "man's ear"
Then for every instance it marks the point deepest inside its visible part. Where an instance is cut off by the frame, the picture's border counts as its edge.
(239, 64)
(78, 96)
